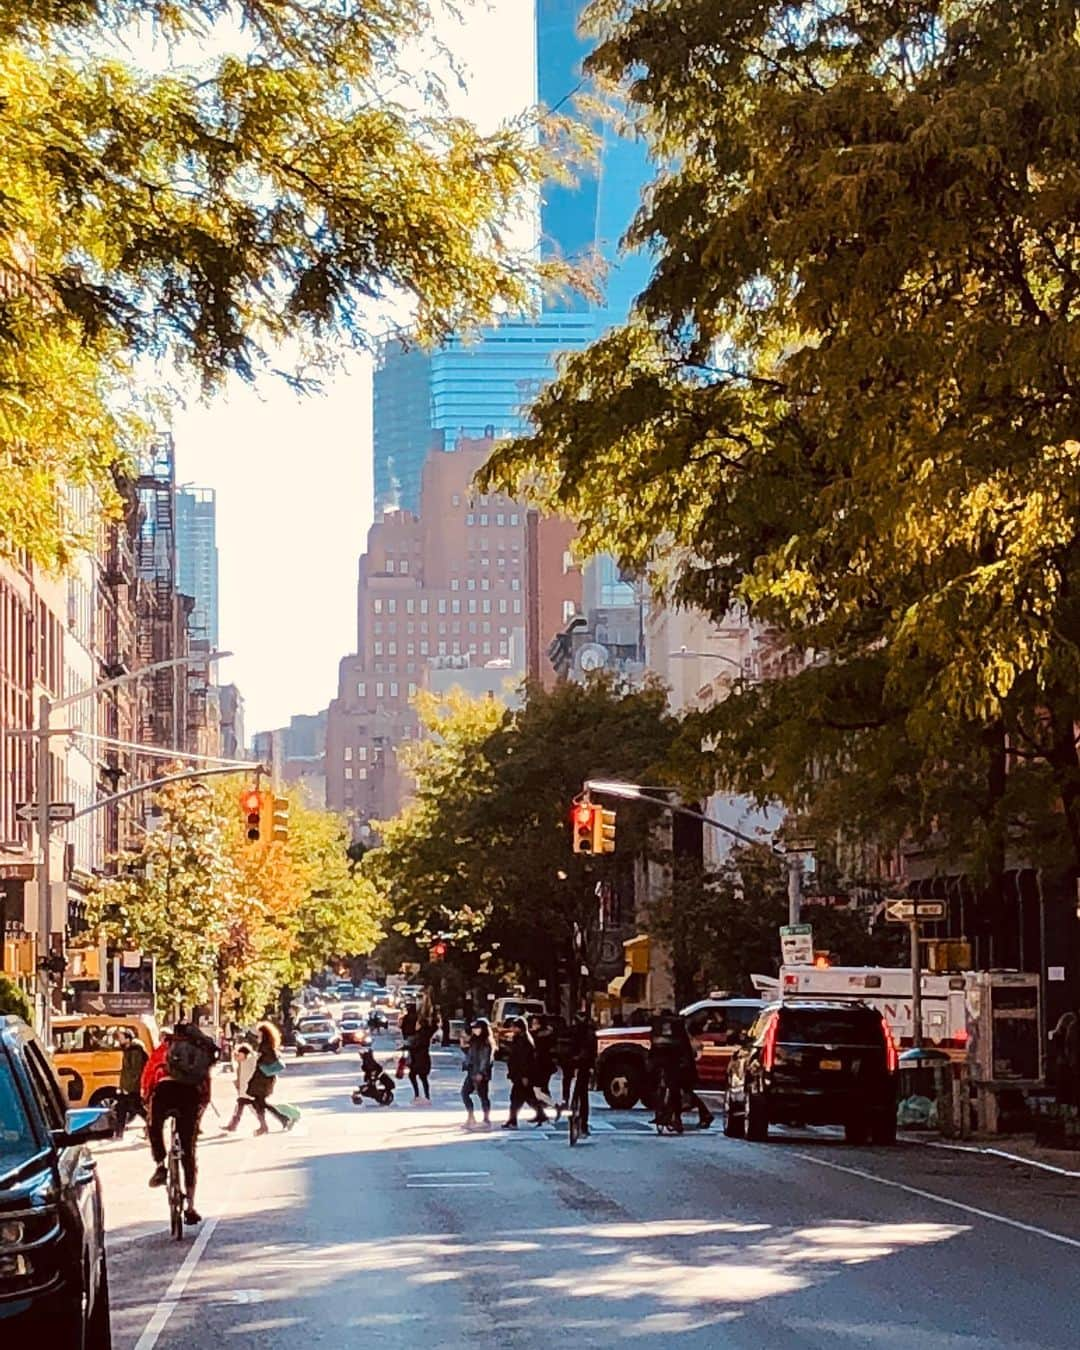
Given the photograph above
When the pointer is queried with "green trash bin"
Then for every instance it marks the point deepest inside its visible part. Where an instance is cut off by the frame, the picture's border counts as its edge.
(925, 1091)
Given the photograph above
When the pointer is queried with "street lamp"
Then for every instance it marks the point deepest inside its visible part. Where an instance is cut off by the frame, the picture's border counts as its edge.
(46, 708)
(685, 655)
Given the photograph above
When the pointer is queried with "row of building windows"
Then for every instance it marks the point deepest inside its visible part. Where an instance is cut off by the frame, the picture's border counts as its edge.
(513, 520)
(381, 688)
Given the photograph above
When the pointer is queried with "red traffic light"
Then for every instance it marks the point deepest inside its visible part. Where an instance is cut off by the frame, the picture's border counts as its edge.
(249, 801)
(438, 951)
(583, 814)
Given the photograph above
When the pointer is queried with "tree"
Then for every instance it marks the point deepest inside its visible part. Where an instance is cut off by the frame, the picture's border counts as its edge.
(482, 852)
(216, 911)
(847, 398)
(275, 192)
(13, 1002)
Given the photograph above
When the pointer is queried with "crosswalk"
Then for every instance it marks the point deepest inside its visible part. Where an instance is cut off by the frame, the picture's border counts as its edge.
(621, 1124)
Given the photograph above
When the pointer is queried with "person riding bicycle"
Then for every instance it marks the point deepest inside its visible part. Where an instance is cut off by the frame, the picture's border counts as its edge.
(672, 1062)
(176, 1082)
(583, 1052)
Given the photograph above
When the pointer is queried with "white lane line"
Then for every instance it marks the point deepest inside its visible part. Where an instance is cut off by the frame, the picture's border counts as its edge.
(940, 1200)
(441, 1186)
(423, 1176)
(997, 1153)
(175, 1291)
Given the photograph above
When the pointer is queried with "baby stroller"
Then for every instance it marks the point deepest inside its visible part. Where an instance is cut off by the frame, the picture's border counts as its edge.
(377, 1083)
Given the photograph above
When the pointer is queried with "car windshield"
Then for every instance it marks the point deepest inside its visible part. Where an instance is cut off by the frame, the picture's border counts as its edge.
(314, 1024)
(829, 1028)
(17, 1142)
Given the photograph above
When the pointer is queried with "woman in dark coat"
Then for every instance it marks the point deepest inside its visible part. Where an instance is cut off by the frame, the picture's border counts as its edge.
(521, 1069)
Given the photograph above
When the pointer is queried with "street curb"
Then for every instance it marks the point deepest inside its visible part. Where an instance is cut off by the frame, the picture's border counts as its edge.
(993, 1153)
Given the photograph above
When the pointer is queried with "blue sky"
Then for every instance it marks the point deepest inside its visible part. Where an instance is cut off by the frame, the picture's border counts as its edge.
(293, 475)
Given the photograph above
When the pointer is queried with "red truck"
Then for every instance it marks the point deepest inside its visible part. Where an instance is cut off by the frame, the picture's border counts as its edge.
(715, 1025)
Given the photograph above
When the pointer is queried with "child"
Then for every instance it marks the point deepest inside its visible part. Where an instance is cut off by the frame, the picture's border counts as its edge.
(245, 1067)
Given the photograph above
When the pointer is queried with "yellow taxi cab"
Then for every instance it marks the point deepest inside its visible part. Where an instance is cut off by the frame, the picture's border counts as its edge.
(87, 1054)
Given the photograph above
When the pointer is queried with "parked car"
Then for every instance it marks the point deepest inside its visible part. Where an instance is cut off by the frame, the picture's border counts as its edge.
(815, 1063)
(315, 1034)
(87, 1054)
(54, 1285)
(714, 1024)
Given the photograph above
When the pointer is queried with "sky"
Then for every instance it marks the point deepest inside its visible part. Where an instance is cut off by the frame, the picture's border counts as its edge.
(293, 474)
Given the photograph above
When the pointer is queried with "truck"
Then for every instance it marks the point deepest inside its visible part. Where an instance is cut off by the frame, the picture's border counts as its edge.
(715, 1025)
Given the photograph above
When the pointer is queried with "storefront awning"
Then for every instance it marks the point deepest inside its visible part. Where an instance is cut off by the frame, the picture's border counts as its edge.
(630, 986)
(637, 954)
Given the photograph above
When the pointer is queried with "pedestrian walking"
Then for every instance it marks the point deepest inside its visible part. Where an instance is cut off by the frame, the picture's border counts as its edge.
(245, 1062)
(129, 1101)
(542, 1032)
(478, 1063)
(268, 1067)
(419, 1045)
(521, 1071)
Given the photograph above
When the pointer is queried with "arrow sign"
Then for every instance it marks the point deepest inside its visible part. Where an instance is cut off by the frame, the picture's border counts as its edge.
(58, 811)
(907, 911)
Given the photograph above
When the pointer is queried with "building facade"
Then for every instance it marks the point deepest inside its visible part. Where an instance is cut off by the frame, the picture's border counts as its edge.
(197, 560)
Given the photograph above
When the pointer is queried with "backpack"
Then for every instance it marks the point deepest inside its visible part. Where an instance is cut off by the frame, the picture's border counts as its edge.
(191, 1055)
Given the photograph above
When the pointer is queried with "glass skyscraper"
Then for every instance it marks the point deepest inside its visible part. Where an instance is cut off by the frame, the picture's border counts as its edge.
(484, 386)
(197, 559)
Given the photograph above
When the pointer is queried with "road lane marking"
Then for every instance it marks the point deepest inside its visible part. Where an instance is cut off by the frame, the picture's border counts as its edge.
(423, 1176)
(441, 1186)
(941, 1200)
(175, 1292)
(996, 1153)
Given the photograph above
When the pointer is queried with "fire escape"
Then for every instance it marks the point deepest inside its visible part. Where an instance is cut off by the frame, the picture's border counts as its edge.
(161, 632)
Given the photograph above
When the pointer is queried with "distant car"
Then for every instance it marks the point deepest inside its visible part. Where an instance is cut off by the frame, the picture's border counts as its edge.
(714, 1024)
(506, 1011)
(87, 1054)
(54, 1284)
(354, 1029)
(815, 1063)
(317, 1034)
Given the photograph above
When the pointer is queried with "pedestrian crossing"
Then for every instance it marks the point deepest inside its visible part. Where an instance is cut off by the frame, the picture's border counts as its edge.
(620, 1124)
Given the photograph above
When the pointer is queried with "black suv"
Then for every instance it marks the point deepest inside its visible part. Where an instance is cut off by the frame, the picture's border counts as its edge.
(53, 1283)
(815, 1063)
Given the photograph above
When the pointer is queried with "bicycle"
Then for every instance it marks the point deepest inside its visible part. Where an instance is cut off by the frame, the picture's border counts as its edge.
(174, 1185)
(668, 1105)
(577, 1122)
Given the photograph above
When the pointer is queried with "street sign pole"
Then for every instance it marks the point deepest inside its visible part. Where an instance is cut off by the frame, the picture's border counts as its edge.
(794, 878)
(44, 905)
(916, 987)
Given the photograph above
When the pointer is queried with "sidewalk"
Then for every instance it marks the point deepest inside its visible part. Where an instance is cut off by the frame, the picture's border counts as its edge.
(1016, 1148)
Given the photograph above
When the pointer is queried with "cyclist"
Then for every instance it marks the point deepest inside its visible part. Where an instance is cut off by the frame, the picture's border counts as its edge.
(176, 1082)
(673, 1065)
(583, 1051)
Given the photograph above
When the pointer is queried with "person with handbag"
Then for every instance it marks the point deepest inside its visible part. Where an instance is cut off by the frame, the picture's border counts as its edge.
(268, 1067)
(478, 1063)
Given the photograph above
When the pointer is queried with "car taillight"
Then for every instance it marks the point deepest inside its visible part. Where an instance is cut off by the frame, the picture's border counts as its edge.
(768, 1049)
(892, 1056)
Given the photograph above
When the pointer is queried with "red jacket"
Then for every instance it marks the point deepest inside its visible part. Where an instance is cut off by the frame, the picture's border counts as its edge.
(157, 1071)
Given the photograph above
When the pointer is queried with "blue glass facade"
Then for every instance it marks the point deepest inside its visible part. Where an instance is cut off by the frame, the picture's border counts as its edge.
(485, 385)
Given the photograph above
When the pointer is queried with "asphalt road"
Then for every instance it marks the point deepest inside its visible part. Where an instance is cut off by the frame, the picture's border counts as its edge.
(393, 1228)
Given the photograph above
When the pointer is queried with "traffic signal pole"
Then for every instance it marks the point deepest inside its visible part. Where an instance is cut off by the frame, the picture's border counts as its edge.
(636, 792)
(916, 987)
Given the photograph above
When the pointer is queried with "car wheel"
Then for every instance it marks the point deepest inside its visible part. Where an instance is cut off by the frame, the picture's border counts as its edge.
(106, 1098)
(883, 1129)
(734, 1125)
(99, 1332)
(621, 1083)
(856, 1130)
(756, 1118)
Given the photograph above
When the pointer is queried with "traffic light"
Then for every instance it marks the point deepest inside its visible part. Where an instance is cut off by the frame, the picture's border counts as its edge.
(603, 830)
(279, 821)
(582, 824)
(438, 951)
(251, 805)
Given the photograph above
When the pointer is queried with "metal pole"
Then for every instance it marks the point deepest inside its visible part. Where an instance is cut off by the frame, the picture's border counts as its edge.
(794, 888)
(916, 987)
(44, 905)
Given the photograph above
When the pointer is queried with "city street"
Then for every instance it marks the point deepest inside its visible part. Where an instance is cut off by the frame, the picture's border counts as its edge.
(391, 1227)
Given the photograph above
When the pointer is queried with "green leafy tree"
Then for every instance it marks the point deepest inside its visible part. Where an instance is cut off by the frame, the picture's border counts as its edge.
(483, 851)
(13, 1002)
(846, 399)
(272, 193)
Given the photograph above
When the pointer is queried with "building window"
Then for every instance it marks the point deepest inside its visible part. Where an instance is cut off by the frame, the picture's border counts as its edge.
(502, 605)
(361, 773)
(487, 648)
(348, 773)
(569, 609)
(483, 520)
(410, 606)
(390, 565)
(513, 519)
(412, 690)
(456, 646)
(379, 689)
(410, 649)
(377, 627)
(376, 606)
(410, 628)
(472, 648)
(404, 566)
(504, 649)
(423, 649)
(442, 648)
(361, 752)
(456, 499)
(472, 626)
(393, 689)
(455, 628)
(391, 606)
(348, 752)
(517, 605)
(515, 583)
(378, 649)
(485, 606)
(410, 667)
(485, 628)
(423, 606)
(472, 606)
(502, 561)
(391, 649)
(455, 606)
(485, 584)
(485, 561)
(470, 519)
(442, 606)
(471, 584)
(500, 519)
(361, 690)
(455, 584)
